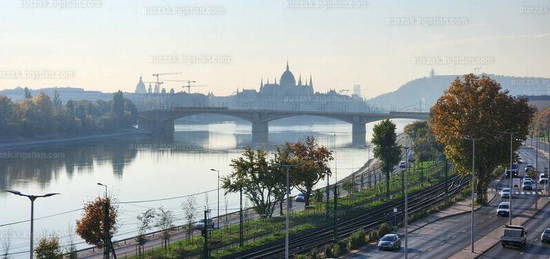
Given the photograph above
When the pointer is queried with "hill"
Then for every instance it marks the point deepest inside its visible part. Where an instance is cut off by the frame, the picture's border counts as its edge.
(420, 94)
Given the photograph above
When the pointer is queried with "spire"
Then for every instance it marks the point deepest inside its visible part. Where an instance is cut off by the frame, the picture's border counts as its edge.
(287, 69)
(262, 83)
(275, 80)
(300, 80)
(310, 81)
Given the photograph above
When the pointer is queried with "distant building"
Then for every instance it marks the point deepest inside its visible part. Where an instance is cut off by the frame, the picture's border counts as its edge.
(140, 87)
(357, 90)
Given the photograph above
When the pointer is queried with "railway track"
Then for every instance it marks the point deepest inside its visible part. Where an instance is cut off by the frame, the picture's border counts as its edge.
(367, 220)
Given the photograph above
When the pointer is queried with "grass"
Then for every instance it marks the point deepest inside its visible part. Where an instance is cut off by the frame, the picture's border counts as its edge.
(257, 232)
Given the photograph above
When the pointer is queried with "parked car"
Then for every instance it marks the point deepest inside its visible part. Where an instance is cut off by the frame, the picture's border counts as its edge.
(545, 236)
(503, 209)
(402, 164)
(300, 197)
(515, 174)
(505, 193)
(389, 241)
(527, 186)
(514, 236)
(543, 180)
(200, 224)
(527, 179)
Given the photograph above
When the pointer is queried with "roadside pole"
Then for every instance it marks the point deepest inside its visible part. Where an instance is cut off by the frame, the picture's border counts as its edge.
(406, 218)
(241, 233)
(473, 191)
(536, 168)
(205, 234)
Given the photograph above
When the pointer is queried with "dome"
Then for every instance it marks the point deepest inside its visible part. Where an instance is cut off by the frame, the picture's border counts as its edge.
(287, 79)
(140, 87)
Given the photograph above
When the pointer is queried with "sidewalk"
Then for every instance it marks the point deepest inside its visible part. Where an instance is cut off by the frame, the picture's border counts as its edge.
(487, 242)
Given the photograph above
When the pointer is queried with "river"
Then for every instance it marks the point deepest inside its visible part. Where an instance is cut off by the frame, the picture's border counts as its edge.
(137, 170)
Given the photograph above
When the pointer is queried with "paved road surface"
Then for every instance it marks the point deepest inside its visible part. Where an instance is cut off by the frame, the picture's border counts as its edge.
(446, 237)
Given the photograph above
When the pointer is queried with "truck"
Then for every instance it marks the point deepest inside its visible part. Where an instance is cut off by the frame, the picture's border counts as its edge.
(514, 236)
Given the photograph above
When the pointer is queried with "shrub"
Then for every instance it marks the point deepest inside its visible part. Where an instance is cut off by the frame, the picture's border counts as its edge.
(357, 239)
(383, 229)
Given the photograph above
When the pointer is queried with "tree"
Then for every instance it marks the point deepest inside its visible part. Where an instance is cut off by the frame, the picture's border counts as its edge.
(48, 248)
(311, 165)
(27, 92)
(91, 227)
(541, 121)
(189, 214)
(165, 221)
(424, 144)
(117, 108)
(144, 224)
(252, 172)
(386, 148)
(477, 107)
(7, 115)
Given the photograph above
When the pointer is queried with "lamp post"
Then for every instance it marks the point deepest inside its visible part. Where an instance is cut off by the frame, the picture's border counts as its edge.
(287, 221)
(218, 171)
(32, 198)
(473, 191)
(106, 224)
(511, 174)
(406, 218)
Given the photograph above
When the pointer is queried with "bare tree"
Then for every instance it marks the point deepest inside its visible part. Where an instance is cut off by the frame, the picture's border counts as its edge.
(189, 212)
(6, 243)
(72, 247)
(145, 221)
(165, 221)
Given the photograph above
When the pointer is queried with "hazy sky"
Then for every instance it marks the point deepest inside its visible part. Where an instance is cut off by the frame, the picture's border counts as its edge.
(228, 44)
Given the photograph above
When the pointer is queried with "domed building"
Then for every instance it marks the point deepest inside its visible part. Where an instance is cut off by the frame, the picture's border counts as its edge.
(287, 86)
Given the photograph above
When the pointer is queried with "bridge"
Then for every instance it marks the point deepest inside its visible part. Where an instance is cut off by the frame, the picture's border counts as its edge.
(161, 122)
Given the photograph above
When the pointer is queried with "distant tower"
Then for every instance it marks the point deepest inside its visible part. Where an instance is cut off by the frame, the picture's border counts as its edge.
(140, 87)
(357, 90)
(150, 89)
(310, 81)
(432, 73)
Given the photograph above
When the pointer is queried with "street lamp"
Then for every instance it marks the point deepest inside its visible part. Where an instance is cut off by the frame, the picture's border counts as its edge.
(287, 238)
(473, 190)
(106, 224)
(32, 198)
(218, 171)
(405, 218)
(511, 174)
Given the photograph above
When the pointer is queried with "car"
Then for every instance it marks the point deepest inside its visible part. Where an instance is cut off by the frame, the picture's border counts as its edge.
(505, 193)
(515, 174)
(527, 186)
(300, 197)
(529, 167)
(503, 209)
(200, 224)
(543, 180)
(520, 161)
(402, 164)
(389, 241)
(514, 236)
(545, 235)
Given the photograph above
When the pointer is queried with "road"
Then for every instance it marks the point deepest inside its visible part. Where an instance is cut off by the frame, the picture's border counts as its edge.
(535, 248)
(446, 237)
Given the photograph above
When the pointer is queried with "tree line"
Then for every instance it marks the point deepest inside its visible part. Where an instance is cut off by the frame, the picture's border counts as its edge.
(42, 115)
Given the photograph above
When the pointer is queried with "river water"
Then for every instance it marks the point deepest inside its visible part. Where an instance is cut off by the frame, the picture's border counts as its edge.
(138, 170)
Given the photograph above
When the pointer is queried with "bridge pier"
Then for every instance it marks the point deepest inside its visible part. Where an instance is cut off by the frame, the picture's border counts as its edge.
(359, 133)
(157, 127)
(260, 132)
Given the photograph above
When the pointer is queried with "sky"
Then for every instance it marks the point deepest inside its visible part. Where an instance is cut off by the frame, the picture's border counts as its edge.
(227, 45)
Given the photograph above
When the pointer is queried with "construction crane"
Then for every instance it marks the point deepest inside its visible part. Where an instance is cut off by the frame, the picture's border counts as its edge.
(158, 82)
(189, 82)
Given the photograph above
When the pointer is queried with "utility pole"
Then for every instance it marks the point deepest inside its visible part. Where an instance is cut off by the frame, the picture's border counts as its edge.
(106, 227)
(205, 234)
(218, 171)
(405, 200)
(536, 167)
(241, 234)
(287, 214)
(473, 191)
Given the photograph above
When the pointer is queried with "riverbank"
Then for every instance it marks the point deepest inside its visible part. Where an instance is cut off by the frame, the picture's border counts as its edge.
(56, 140)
